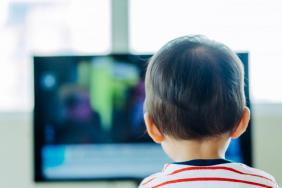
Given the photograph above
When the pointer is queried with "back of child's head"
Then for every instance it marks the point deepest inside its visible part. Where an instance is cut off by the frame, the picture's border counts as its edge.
(195, 88)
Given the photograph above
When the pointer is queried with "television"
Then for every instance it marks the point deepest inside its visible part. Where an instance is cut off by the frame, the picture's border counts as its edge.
(88, 119)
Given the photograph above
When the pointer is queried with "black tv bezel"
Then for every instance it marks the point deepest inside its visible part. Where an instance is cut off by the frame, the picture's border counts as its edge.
(245, 139)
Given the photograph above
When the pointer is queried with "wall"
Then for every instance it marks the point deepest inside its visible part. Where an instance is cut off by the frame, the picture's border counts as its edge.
(16, 149)
(267, 139)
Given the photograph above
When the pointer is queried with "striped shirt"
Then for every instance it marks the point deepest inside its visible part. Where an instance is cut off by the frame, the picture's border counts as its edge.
(213, 173)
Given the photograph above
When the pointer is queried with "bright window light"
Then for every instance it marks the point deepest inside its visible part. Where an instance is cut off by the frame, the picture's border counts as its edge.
(46, 27)
(254, 26)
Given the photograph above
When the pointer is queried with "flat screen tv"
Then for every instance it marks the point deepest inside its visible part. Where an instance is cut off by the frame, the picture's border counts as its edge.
(88, 119)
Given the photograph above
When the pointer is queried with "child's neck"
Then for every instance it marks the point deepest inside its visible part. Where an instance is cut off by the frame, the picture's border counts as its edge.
(185, 150)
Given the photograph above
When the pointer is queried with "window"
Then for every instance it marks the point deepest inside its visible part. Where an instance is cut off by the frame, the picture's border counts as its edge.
(252, 26)
(45, 27)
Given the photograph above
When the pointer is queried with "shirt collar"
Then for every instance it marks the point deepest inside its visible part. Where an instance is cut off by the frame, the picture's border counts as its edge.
(169, 168)
(203, 162)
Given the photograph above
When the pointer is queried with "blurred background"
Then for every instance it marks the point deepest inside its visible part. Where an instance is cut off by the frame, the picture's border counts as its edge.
(89, 27)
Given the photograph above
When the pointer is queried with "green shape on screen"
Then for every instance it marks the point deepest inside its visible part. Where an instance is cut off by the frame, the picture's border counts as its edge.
(101, 90)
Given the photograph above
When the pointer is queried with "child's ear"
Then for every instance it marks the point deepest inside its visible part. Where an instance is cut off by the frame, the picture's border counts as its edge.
(243, 125)
(152, 130)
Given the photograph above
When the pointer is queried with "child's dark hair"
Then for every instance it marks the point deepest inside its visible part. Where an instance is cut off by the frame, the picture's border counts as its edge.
(195, 88)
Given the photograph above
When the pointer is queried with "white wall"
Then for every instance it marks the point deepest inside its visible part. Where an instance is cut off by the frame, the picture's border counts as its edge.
(267, 139)
(16, 149)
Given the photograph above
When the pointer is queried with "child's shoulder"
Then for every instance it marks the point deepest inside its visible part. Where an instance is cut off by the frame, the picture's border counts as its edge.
(145, 182)
(229, 173)
(247, 170)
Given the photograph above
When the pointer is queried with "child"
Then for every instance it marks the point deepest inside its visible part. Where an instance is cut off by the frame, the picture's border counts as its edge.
(194, 106)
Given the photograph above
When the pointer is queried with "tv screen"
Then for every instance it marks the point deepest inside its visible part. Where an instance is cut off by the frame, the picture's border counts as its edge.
(88, 119)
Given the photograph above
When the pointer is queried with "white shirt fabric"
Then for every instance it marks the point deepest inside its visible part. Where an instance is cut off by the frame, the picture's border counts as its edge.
(219, 173)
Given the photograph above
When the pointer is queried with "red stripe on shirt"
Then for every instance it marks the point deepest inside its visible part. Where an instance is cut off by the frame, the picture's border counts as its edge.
(151, 179)
(165, 167)
(217, 168)
(211, 179)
